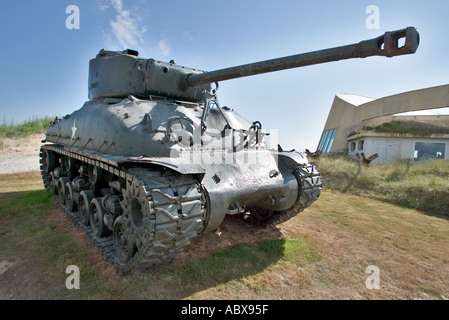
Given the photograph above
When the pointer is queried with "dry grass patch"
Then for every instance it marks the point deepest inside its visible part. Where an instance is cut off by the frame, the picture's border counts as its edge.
(24, 181)
(411, 249)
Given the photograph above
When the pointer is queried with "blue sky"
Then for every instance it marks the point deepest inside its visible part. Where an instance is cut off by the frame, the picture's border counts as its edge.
(44, 65)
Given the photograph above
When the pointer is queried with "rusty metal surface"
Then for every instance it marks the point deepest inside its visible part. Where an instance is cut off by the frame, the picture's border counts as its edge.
(386, 45)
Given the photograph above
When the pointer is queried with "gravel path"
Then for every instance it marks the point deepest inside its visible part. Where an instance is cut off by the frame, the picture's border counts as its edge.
(19, 164)
(20, 154)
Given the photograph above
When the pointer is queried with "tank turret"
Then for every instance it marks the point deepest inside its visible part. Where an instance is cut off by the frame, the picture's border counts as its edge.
(151, 160)
(118, 74)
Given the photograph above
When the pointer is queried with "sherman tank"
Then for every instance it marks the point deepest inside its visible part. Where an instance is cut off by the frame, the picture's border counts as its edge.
(152, 160)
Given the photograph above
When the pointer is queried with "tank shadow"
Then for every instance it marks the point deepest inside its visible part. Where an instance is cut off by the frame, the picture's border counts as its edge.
(237, 249)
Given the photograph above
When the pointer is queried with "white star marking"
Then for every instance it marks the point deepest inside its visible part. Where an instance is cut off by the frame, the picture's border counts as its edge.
(74, 128)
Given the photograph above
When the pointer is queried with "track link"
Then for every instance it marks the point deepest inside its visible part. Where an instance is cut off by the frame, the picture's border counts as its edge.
(310, 186)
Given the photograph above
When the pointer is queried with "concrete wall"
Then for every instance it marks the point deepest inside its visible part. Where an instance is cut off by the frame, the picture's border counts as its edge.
(347, 117)
(391, 147)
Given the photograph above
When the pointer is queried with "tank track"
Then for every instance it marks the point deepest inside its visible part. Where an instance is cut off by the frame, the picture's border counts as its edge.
(309, 180)
(162, 211)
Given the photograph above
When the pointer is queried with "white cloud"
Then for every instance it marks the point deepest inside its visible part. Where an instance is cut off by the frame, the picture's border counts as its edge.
(126, 29)
(164, 47)
(127, 26)
(103, 6)
(187, 35)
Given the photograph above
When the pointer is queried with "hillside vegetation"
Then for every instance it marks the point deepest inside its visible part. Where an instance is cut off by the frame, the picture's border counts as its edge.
(420, 185)
(32, 126)
(402, 126)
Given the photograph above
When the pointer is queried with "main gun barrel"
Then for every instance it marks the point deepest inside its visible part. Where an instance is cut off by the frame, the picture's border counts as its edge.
(387, 45)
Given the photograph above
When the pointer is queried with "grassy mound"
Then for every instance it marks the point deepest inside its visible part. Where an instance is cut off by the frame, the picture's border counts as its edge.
(420, 185)
(406, 127)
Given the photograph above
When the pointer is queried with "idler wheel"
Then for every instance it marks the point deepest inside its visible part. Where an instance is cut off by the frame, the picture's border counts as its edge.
(96, 218)
(123, 243)
(48, 161)
(85, 199)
